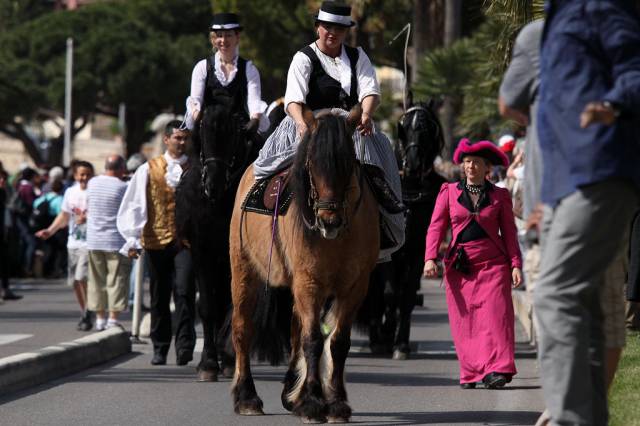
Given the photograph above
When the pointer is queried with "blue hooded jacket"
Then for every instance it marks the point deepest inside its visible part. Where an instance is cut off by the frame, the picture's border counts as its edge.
(590, 52)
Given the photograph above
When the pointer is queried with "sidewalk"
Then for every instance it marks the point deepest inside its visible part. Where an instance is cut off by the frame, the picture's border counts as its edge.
(46, 315)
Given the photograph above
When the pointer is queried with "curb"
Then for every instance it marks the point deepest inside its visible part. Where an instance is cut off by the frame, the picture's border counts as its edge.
(18, 372)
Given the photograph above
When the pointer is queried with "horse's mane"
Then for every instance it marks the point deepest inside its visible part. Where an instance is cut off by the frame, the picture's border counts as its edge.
(329, 148)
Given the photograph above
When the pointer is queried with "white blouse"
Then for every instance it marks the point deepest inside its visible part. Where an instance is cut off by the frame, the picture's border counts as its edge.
(338, 68)
(132, 215)
(255, 104)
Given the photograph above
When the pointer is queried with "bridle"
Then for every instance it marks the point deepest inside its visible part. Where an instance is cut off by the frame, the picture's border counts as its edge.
(317, 204)
(228, 166)
(413, 144)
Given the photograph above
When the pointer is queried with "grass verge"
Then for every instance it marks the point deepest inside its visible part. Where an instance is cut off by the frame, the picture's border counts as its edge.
(624, 399)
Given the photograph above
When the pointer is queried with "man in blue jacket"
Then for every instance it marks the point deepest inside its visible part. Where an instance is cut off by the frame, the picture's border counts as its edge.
(589, 134)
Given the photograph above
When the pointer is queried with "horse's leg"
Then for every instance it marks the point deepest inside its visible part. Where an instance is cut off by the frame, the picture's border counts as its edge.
(336, 349)
(307, 395)
(376, 306)
(408, 292)
(208, 367)
(244, 292)
(223, 313)
(292, 376)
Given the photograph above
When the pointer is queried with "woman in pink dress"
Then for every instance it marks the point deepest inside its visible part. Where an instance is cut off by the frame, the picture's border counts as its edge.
(481, 264)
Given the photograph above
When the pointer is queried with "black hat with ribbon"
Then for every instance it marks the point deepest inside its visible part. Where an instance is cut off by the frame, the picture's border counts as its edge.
(335, 13)
(226, 21)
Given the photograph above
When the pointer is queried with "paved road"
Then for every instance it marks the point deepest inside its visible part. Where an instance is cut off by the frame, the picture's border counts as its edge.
(423, 390)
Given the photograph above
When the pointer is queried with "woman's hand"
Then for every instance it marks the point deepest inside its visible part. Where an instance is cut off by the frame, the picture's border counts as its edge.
(301, 128)
(366, 124)
(516, 276)
(430, 269)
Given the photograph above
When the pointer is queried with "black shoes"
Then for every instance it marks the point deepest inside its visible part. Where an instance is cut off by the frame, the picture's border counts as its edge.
(159, 359)
(183, 357)
(85, 323)
(468, 385)
(10, 295)
(494, 380)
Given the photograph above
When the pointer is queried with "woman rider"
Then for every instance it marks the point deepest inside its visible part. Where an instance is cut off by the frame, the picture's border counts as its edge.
(228, 71)
(329, 74)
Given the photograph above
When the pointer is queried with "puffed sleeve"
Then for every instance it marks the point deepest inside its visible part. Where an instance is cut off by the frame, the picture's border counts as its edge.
(439, 224)
(298, 79)
(508, 229)
(132, 214)
(367, 81)
(255, 104)
(198, 82)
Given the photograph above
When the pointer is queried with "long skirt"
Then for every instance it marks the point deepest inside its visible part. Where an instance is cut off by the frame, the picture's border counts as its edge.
(280, 148)
(481, 313)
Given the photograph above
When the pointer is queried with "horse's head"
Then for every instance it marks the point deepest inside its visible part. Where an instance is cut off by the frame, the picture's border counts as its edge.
(323, 168)
(421, 139)
(220, 140)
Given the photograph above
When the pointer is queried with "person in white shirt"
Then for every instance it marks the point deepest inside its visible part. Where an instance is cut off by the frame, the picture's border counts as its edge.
(74, 215)
(147, 220)
(327, 74)
(227, 71)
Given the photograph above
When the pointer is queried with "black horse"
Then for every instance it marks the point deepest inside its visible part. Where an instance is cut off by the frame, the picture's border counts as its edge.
(222, 149)
(394, 285)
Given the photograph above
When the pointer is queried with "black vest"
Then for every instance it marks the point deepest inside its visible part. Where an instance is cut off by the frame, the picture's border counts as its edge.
(237, 89)
(325, 91)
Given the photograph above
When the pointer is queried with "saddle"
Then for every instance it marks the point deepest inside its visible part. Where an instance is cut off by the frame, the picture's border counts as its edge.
(263, 194)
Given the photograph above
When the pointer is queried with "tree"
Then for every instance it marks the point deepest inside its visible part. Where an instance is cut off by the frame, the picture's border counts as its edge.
(120, 56)
(471, 69)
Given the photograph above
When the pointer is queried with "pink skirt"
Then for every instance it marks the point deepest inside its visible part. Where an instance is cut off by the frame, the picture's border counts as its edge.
(481, 312)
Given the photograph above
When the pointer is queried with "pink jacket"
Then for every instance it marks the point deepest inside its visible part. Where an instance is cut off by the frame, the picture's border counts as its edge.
(496, 219)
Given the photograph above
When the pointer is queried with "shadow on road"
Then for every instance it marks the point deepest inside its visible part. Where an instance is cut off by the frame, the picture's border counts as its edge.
(502, 418)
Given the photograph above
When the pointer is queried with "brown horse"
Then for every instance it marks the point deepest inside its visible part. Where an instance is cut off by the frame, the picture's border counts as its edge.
(324, 247)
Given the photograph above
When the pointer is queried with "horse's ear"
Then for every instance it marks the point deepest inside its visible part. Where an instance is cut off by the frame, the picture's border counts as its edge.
(353, 119)
(309, 118)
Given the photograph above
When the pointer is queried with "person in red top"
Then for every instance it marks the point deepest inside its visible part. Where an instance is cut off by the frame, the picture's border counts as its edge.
(481, 263)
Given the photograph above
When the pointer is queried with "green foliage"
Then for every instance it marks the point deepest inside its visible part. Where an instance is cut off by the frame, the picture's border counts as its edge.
(470, 71)
(140, 53)
(624, 399)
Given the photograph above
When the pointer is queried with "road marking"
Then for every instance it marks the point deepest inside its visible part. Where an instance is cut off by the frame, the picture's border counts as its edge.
(5, 339)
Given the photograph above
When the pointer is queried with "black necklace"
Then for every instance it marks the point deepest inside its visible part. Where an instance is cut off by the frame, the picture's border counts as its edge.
(474, 189)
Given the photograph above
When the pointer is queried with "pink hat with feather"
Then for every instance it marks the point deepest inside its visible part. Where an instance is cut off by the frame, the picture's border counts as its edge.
(484, 149)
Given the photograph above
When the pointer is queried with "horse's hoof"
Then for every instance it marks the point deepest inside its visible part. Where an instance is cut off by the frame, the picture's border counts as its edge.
(250, 411)
(313, 421)
(399, 355)
(207, 376)
(228, 372)
(377, 349)
(339, 412)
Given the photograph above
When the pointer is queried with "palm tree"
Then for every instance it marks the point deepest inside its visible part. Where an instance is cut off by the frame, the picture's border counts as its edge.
(469, 71)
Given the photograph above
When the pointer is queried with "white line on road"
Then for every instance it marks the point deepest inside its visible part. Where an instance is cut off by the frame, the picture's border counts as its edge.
(10, 338)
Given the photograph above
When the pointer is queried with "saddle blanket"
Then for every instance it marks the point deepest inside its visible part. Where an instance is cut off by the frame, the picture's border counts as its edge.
(263, 195)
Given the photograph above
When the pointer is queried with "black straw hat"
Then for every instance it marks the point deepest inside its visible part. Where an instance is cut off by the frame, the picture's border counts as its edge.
(335, 13)
(226, 21)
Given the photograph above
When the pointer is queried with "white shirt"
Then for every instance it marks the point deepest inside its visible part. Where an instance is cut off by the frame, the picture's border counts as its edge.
(255, 104)
(104, 194)
(338, 68)
(132, 215)
(74, 203)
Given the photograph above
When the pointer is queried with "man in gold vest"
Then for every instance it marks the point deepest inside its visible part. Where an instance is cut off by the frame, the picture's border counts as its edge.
(146, 220)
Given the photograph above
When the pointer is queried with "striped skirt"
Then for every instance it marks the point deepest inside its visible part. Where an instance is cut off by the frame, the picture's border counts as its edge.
(280, 148)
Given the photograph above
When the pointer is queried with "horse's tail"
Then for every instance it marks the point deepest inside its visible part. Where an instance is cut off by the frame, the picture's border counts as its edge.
(272, 324)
